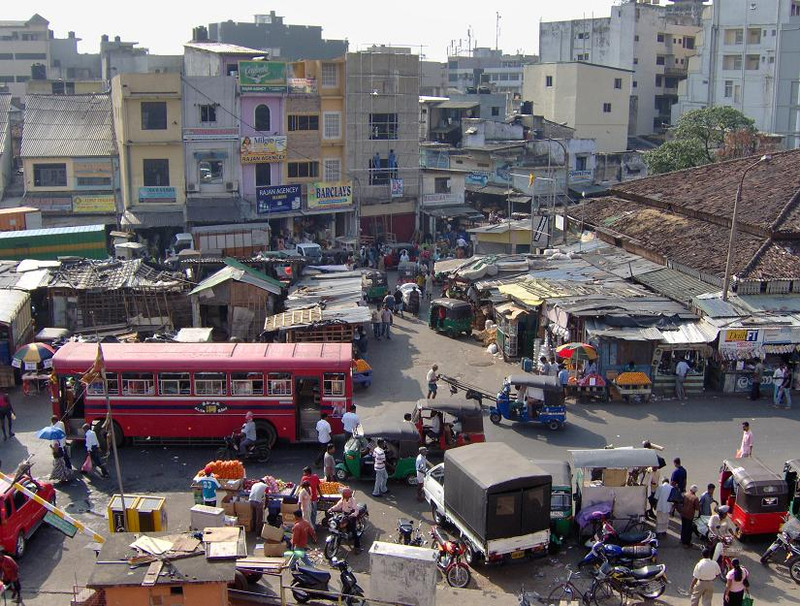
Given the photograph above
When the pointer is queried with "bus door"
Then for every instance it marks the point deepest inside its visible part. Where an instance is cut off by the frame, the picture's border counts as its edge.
(307, 405)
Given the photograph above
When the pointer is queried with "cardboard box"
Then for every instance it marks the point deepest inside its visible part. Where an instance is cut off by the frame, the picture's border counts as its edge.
(274, 550)
(203, 516)
(288, 509)
(242, 510)
(271, 533)
(228, 505)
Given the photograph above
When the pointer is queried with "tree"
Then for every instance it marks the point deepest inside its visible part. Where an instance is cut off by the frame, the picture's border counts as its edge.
(697, 138)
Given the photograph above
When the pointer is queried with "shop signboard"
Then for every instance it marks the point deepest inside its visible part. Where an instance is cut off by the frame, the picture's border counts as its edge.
(740, 342)
(160, 194)
(442, 199)
(278, 198)
(581, 176)
(87, 205)
(49, 204)
(323, 195)
(477, 178)
(210, 134)
(262, 76)
(397, 188)
(257, 149)
(302, 86)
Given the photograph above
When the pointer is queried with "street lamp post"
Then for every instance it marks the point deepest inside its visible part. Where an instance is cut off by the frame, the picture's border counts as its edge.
(732, 239)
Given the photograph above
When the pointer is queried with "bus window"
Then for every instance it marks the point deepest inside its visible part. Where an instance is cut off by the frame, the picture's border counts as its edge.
(333, 384)
(247, 384)
(174, 384)
(95, 388)
(137, 383)
(279, 384)
(112, 382)
(209, 384)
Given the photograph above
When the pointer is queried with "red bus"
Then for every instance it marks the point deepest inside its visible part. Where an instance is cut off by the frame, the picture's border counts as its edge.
(197, 391)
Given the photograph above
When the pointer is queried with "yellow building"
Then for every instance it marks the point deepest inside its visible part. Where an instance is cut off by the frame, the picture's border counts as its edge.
(148, 128)
(592, 99)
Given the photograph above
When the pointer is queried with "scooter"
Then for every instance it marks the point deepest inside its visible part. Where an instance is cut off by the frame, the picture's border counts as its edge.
(635, 556)
(408, 535)
(258, 451)
(312, 583)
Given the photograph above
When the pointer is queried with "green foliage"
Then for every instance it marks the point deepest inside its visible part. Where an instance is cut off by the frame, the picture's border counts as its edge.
(675, 155)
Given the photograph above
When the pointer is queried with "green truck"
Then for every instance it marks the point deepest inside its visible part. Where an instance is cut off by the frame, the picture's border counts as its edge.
(89, 241)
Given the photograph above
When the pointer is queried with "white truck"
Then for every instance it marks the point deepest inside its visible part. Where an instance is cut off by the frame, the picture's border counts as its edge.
(497, 499)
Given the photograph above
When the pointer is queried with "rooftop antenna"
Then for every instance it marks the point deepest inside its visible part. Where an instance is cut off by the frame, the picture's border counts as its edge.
(497, 31)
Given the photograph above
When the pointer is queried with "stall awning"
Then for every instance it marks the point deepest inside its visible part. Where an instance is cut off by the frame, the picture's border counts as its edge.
(596, 328)
(458, 211)
(692, 333)
(510, 311)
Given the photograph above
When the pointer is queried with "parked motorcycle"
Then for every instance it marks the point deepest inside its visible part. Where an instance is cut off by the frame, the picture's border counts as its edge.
(648, 582)
(408, 535)
(341, 527)
(312, 583)
(608, 534)
(448, 558)
(259, 451)
(788, 540)
(635, 556)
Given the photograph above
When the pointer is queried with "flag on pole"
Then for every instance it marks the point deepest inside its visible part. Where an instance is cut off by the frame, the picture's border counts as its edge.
(531, 179)
(95, 372)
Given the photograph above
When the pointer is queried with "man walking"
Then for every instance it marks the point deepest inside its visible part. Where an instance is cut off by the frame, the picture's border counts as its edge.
(758, 374)
(350, 421)
(432, 377)
(703, 576)
(329, 464)
(421, 465)
(62, 442)
(786, 388)
(681, 370)
(381, 476)
(386, 322)
(688, 509)
(679, 475)
(429, 285)
(93, 449)
(777, 383)
(663, 507)
(323, 437)
(707, 500)
(6, 418)
(375, 318)
(746, 448)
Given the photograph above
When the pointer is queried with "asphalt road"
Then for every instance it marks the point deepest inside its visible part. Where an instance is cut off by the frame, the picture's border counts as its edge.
(702, 432)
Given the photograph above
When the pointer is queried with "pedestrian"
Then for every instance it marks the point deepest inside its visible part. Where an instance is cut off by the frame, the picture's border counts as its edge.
(429, 285)
(350, 421)
(258, 492)
(304, 500)
(758, 374)
(688, 510)
(10, 571)
(398, 302)
(60, 472)
(301, 531)
(208, 485)
(663, 507)
(329, 464)
(381, 476)
(7, 415)
(313, 483)
(707, 501)
(563, 377)
(777, 384)
(323, 437)
(681, 370)
(786, 388)
(421, 465)
(543, 368)
(736, 584)
(389, 301)
(746, 447)
(552, 369)
(62, 442)
(703, 576)
(679, 475)
(386, 322)
(93, 449)
(432, 377)
(375, 318)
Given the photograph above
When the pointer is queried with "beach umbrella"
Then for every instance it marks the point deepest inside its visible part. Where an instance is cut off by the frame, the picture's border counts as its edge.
(576, 351)
(51, 433)
(33, 356)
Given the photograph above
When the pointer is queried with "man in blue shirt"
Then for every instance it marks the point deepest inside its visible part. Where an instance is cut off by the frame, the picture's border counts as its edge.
(679, 475)
(209, 484)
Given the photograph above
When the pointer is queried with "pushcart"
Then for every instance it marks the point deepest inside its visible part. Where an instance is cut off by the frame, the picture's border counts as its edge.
(634, 386)
(472, 392)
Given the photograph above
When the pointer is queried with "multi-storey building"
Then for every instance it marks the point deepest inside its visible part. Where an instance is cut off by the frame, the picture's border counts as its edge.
(488, 67)
(749, 60)
(654, 42)
(24, 50)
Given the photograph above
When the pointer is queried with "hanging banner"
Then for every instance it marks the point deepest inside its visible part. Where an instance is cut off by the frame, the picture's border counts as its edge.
(327, 194)
(256, 149)
(262, 76)
(397, 188)
(278, 198)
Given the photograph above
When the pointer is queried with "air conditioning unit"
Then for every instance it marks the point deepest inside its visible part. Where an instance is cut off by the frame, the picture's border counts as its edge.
(191, 187)
(231, 185)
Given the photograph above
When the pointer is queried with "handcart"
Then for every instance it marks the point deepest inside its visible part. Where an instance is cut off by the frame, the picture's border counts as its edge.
(472, 392)
(635, 386)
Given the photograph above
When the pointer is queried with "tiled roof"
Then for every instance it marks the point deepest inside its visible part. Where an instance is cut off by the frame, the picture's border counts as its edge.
(711, 189)
(67, 126)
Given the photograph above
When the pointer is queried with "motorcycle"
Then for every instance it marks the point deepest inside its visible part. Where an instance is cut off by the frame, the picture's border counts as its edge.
(635, 556)
(312, 583)
(448, 558)
(408, 535)
(339, 531)
(648, 582)
(788, 540)
(608, 534)
(259, 451)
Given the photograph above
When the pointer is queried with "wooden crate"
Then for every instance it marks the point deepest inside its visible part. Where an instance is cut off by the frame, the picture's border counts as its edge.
(335, 333)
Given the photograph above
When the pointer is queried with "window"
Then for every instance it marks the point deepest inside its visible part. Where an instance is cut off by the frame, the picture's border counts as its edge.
(279, 384)
(93, 181)
(583, 57)
(330, 75)
(176, 590)
(50, 175)
(333, 384)
(263, 174)
(751, 62)
(583, 35)
(303, 123)
(247, 384)
(174, 384)
(659, 80)
(728, 88)
(154, 115)
(606, 108)
(156, 172)
(580, 162)
(208, 113)
(331, 125)
(383, 126)
(19, 500)
(138, 384)
(732, 62)
(772, 59)
(441, 185)
(112, 383)
(452, 77)
(754, 35)
(262, 118)
(617, 82)
(331, 169)
(734, 36)
(210, 171)
(209, 384)
(634, 84)
(548, 80)
(299, 170)
(23, 78)
(688, 42)
(660, 60)
(495, 111)
(636, 60)
(34, 56)
(659, 37)
(636, 38)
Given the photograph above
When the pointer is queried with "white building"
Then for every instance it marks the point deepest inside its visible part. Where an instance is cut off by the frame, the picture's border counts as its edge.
(653, 41)
(488, 67)
(23, 45)
(750, 60)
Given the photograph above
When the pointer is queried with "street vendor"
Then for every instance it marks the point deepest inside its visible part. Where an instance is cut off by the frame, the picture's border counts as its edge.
(256, 500)
(590, 368)
(209, 484)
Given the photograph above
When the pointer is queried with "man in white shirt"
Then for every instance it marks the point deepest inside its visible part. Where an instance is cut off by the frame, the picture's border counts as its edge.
(350, 421)
(421, 465)
(431, 378)
(777, 381)
(256, 498)
(323, 437)
(93, 449)
(663, 507)
(681, 370)
(248, 433)
(381, 475)
(703, 576)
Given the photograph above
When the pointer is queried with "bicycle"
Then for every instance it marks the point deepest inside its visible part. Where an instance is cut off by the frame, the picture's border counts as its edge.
(600, 593)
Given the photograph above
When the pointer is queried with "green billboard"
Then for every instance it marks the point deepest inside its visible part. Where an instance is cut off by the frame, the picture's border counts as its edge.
(262, 76)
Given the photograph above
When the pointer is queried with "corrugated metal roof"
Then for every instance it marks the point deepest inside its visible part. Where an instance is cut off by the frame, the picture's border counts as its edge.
(692, 333)
(67, 126)
(759, 303)
(5, 106)
(712, 305)
(54, 231)
(11, 301)
(457, 105)
(238, 272)
(598, 328)
(674, 284)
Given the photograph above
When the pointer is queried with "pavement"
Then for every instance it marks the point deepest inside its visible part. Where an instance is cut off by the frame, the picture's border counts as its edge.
(702, 431)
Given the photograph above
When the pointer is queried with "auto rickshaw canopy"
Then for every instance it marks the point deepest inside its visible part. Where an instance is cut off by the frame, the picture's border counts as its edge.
(559, 470)
(458, 307)
(754, 478)
(615, 458)
(373, 277)
(469, 412)
(405, 434)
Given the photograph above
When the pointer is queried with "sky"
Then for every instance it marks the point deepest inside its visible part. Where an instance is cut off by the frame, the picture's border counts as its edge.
(428, 27)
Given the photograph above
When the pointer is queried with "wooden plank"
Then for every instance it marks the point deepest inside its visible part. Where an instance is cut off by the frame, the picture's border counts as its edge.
(151, 576)
(221, 533)
(185, 544)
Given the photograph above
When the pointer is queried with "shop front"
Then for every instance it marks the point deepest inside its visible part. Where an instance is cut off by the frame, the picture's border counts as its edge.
(517, 327)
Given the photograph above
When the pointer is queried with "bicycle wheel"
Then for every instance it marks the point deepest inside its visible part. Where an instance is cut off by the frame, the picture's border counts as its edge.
(604, 594)
(563, 594)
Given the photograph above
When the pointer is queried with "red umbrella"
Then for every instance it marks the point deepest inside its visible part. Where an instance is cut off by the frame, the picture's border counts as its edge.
(576, 351)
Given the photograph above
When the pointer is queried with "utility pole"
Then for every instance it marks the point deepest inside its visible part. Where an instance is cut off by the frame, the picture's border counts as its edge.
(497, 31)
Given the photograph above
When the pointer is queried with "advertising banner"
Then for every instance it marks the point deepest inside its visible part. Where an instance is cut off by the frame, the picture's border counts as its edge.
(256, 149)
(397, 188)
(477, 178)
(323, 195)
(262, 76)
(160, 194)
(278, 198)
(94, 204)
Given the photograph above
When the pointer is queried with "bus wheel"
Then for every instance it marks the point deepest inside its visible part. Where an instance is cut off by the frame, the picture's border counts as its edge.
(265, 431)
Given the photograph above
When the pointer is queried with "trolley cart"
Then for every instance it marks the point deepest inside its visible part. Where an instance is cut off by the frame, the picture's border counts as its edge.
(472, 392)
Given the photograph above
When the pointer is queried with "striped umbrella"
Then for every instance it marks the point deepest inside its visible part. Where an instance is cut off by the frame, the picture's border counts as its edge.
(576, 351)
(33, 356)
